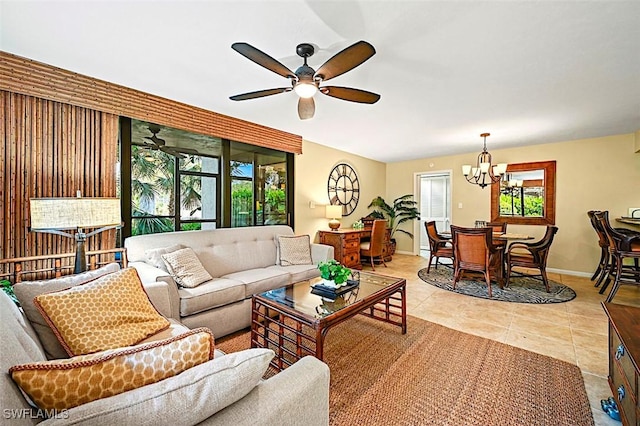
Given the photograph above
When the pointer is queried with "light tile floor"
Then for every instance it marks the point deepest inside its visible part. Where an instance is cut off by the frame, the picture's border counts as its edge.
(574, 331)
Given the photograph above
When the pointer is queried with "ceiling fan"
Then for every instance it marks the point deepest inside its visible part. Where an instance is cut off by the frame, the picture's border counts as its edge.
(306, 81)
(160, 144)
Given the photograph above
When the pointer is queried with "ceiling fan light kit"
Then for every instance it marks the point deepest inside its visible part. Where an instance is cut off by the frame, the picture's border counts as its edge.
(484, 173)
(305, 81)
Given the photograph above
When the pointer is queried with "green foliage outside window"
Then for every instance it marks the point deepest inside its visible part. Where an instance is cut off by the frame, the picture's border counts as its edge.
(533, 205)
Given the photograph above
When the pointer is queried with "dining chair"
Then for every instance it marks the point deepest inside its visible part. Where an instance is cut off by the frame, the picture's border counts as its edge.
(531, 255)
(374, 247)
(603, 264)
(622, 246)
(439, 246)
(474, 251)
(498, 227)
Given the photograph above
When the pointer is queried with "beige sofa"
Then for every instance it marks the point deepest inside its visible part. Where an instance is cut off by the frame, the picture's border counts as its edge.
(242, 262)
(216, 392)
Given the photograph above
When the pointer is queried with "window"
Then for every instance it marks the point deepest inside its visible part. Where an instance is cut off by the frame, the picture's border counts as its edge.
(175, 180)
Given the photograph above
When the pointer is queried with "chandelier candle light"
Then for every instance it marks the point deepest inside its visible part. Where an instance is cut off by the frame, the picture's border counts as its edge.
(484, 173)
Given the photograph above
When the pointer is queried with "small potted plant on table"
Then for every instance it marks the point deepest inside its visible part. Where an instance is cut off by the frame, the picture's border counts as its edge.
(334, 274)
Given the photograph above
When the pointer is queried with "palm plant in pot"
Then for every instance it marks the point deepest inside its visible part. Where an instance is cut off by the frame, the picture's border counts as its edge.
(403, 209)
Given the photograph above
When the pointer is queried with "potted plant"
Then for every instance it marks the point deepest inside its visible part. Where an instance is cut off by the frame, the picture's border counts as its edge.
(403, 209)
(333, 273)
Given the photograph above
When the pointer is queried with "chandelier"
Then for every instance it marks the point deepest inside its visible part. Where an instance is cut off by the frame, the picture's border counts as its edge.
(484, 173)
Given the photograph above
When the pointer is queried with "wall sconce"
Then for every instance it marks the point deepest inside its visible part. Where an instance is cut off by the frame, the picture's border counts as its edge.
(333, 213)
(53, 215)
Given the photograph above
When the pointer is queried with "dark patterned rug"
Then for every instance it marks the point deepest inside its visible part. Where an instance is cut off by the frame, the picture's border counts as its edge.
(520, 290)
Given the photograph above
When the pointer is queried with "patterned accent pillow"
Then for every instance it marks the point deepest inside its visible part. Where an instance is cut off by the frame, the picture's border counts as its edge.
(110, 312)
(154, 256)
(26, 291)
(63, 384)
(185, 267)
(295, 250)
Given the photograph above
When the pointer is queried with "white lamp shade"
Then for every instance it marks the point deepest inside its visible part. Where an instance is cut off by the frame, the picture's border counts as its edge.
(73, 213)
(484, 167)
(500, 168)
(333, 212)
(466, 169)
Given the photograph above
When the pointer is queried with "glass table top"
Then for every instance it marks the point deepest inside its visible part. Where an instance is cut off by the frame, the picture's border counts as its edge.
(298, 296)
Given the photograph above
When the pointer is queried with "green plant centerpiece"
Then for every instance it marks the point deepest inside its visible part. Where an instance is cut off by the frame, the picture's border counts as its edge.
(404, 209)
(333, 273)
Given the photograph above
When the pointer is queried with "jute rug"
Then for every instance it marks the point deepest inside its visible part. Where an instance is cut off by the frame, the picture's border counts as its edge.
(521, 289)
(434, 375)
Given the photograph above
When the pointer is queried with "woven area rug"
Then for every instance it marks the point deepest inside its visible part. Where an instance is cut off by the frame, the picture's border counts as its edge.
(520, 289)
(434, 375)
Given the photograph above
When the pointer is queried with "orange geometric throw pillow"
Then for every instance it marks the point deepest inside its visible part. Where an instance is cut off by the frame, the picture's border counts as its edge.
(67, 383)
(110, 312)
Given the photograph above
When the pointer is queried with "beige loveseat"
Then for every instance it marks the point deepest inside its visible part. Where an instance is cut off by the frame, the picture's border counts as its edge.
(242, 262)
(226, 390)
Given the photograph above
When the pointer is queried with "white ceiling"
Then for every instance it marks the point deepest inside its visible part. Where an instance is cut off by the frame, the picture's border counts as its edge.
(528, 72)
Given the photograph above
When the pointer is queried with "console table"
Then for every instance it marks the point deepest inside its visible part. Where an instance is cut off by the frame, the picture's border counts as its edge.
(346, 245)
(624, 355)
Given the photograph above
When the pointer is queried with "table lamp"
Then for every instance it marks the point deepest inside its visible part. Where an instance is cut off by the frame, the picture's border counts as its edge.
(53, 215)
(333, 213)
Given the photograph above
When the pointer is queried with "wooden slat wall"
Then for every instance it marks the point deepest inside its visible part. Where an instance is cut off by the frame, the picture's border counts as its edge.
(33, 78)
(51, 149)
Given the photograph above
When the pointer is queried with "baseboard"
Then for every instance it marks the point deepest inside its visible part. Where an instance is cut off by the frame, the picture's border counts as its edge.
(568, 272)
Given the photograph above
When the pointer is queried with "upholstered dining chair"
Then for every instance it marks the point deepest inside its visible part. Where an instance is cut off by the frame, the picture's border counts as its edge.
(498, 227)
(621, 246)
(374, 247)
(531, 255)
(474, 251)
(439, 246)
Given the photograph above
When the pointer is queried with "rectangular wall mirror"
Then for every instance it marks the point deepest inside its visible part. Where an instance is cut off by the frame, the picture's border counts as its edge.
(526, 194)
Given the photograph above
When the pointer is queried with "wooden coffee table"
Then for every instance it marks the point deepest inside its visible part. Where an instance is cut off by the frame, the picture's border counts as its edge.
(294, 322)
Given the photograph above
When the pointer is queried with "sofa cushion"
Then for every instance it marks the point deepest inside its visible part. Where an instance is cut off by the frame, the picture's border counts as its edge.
(64, 384)
(217, 292)
(175, 328)
(109, 312)
(260, 280)
(26, 291)
(185, 268)
(19, 345)
(298, 273)
(186, 399)
(294, 250)
(154, 256)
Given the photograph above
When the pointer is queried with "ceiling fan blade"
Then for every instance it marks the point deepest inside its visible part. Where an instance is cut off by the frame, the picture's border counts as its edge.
(260, 94)
(345, 60)
(172, 151)
(306, 108)
(349, 94)
(262, 59)
(189, 151)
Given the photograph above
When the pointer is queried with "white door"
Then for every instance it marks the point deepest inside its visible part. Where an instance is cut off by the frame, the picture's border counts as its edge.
(435, 203)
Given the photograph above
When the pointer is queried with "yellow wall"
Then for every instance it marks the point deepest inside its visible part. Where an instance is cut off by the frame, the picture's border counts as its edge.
(312, 170)
(637, 140)
(592, 174)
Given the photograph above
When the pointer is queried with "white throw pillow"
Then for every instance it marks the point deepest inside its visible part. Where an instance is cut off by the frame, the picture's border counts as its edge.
(188, 398)
(26, 291)
(154, 256)
(185, 267)
(295, 250)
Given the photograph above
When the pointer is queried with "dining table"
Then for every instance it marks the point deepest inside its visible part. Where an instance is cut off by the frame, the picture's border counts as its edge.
(501, 238)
